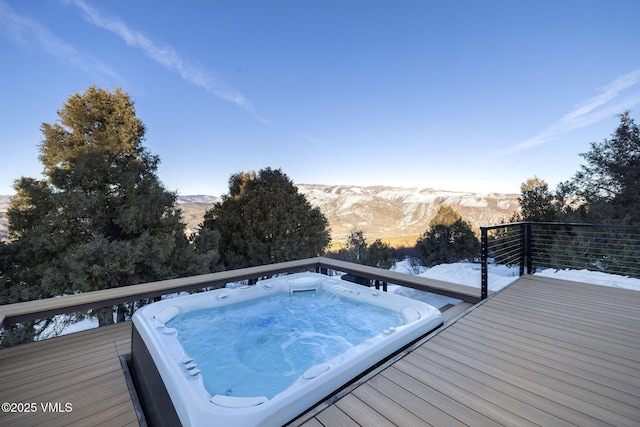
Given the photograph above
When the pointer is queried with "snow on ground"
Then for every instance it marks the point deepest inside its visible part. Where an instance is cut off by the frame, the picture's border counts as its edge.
(499, 276)
(593, 277)
(59, 326)
(463, 273)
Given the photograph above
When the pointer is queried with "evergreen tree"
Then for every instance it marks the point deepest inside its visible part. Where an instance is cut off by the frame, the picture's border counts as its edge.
(23, 332)
(380, 254)
(609, 184)
(100, 218)
(448, 239)
(357, 250)
(356, 247)
(264, 220)
(536, 201)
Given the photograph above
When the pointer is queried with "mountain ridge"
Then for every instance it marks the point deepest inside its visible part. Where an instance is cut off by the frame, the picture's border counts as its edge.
(386, 211)
(379, 211)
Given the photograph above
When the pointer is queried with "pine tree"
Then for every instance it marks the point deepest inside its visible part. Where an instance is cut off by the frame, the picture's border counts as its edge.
(356, 247)
(609, 183)
(380, 254)
(357, 250)
(448, 239)
(100, 218)
(264, 220)
(536, 201)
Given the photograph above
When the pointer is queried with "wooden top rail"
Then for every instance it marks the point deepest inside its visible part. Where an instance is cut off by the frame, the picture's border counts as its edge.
(453, 290)
(38, 309)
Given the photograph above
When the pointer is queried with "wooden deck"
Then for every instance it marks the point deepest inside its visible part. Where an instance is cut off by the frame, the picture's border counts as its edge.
(542, 352)
(82, 369)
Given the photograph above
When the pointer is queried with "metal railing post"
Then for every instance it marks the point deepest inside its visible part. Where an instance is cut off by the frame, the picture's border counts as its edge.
(529, 248)
(484, 257)
(522, 248)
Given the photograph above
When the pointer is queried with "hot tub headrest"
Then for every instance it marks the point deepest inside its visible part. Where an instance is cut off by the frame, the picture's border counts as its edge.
(410, 314)
(166, 314)
(237, 402)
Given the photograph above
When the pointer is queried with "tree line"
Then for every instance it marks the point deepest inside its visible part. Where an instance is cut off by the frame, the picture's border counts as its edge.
(605, 190)
(100, 217)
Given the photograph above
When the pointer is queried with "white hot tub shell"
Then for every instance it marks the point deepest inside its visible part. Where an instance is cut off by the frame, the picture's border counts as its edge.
(171, 387)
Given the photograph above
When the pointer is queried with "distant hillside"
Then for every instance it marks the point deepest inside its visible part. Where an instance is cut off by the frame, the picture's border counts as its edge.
(193, 209)
(392, 213)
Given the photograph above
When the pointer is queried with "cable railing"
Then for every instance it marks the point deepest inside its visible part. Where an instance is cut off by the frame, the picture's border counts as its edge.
(535, 246)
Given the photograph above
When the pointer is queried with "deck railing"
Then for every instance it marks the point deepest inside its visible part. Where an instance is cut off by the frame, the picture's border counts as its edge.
(45, 308)
(534, 246)
(528, 246)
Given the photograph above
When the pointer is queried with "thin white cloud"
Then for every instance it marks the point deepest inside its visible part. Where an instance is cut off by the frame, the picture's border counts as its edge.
(609, 92)
(29, 33)
(593, 110)
(167, 57)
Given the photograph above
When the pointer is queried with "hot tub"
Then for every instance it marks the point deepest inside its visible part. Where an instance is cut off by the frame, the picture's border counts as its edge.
(251, 356)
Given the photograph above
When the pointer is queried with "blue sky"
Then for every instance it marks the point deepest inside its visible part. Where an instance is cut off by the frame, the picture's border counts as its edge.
(455, 95)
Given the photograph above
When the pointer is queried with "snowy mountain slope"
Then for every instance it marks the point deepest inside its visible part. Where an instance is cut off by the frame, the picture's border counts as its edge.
(378, 211)
(193, 209)
(382, 211)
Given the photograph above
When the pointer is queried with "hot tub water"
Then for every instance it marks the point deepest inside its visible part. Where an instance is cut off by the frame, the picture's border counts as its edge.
(260, 347)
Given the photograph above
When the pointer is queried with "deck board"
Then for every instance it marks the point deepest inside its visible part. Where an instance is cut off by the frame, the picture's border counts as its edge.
(390, 398)
(334, 416)
(457, 310)
(500, 350)
(438, 397)
(361, 412)
(82, 369)
(541, 352)
(548, 381)
(526, 393)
